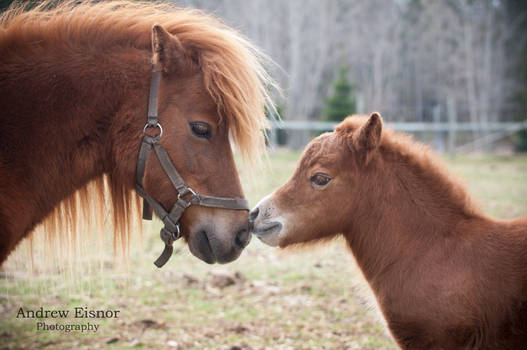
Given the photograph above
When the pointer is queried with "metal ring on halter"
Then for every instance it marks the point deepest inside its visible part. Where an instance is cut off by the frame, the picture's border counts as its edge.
(154, 126)
(176, 234)
(188, 190)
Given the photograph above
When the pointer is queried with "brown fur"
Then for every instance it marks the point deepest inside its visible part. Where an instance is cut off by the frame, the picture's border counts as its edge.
(73, 100)
(445, 275)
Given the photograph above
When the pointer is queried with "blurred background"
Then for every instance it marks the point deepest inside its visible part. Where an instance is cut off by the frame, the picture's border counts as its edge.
(458, 64)
(452, 72)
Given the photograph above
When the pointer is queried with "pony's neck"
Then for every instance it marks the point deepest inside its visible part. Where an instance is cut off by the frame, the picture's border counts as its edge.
(408, 204)
(64, 113)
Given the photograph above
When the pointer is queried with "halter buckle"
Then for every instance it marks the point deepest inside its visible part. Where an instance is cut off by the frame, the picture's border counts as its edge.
(186, 191)
(156, 125)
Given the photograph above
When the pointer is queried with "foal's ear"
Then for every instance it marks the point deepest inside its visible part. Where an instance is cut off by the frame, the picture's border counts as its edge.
(369, 134)
(168, 53)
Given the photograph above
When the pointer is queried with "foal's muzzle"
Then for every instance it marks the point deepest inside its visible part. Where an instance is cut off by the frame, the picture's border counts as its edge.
(265, 224)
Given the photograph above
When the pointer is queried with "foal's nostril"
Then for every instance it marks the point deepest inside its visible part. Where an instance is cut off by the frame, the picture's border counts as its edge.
(242, 238)
(254, 214)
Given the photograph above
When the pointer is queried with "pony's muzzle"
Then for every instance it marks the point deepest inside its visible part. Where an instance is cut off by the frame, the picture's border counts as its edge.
(212, 246)
(253, 215)
(243, 237)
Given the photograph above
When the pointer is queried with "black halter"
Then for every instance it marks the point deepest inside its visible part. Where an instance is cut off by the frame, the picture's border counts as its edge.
(170, 232)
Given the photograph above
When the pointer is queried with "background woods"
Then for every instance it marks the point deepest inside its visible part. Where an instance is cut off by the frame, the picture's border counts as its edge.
(406, 58)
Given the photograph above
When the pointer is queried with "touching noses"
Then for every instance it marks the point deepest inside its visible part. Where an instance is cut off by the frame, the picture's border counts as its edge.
(243, 236)
(263, 211)
(265, 224)
(253, 215)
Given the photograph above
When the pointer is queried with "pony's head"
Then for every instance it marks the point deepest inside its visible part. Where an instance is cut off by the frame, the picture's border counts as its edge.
(196, 138)
(315, 203)
(213, 89)
(195, 133)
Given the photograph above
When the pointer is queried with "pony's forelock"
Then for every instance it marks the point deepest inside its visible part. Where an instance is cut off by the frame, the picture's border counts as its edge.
(234, 70)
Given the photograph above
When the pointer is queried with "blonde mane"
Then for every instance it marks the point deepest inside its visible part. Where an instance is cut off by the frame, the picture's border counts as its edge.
(234, 73)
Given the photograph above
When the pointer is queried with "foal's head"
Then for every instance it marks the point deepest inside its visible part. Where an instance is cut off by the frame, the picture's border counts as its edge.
(315, 203)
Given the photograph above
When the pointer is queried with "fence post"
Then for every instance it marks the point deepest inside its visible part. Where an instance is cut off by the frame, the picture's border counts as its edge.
(272, 136)
(452, 125)
(360, 104)
(438, 138)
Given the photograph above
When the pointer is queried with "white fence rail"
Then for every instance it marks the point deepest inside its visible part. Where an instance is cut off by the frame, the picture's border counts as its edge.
(492, 131)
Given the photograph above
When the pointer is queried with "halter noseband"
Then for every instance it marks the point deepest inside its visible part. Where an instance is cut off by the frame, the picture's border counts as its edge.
(170, 232)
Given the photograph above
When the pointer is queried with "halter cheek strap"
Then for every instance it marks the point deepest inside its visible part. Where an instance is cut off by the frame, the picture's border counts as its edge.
(186, 196)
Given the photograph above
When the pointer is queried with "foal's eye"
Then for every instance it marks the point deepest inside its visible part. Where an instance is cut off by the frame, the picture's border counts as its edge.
(201, 129)
(320, 179)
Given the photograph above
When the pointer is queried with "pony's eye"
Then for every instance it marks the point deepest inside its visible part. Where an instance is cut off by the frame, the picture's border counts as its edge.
(201, 129)
(320, 179)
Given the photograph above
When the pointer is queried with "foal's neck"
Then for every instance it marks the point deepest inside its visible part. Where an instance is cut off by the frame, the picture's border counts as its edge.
(408, 205)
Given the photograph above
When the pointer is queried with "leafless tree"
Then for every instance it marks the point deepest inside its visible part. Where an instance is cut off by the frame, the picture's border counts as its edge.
(405, 57)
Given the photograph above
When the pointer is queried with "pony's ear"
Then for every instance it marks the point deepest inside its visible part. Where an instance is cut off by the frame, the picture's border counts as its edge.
(369, 134)
(168, 53)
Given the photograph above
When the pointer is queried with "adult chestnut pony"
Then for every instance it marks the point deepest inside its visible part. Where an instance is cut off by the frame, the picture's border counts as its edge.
(444, 275)
(75, 81)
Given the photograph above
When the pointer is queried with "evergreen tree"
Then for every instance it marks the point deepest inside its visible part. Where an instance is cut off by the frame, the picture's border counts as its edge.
(341, 103)
(4, 4)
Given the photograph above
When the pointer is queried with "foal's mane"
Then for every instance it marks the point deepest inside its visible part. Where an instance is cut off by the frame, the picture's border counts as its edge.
(419, 159)
(233, 71)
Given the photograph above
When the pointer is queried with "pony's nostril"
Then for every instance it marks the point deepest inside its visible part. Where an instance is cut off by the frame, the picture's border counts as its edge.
(242, 238)
(254, 214)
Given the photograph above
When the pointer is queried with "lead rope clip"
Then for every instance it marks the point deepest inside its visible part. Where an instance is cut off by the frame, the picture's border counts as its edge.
(169, 238)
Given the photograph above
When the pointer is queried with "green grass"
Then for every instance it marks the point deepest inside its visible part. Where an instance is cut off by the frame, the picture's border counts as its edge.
(497, 183)
(301, 299)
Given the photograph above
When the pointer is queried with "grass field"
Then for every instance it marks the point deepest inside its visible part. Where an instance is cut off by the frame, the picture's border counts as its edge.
(267, 299)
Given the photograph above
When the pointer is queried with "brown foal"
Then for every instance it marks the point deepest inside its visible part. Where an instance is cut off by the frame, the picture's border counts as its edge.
(445, 276)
